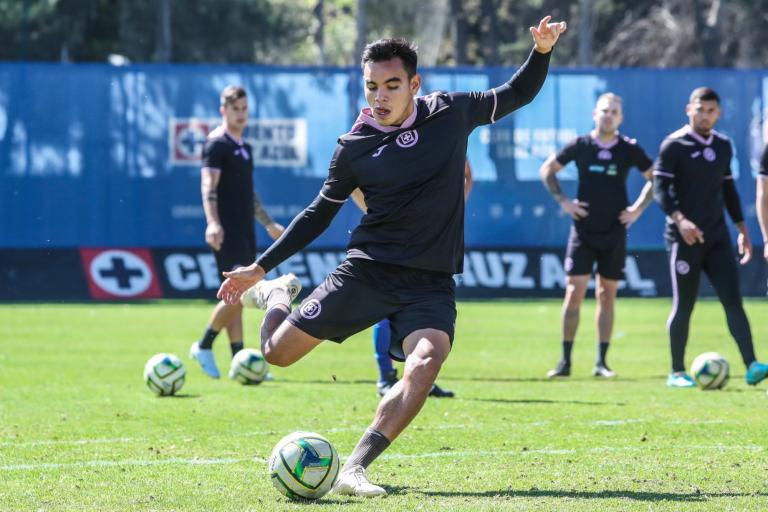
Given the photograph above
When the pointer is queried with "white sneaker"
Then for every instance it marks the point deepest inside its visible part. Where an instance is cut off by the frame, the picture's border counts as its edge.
(256, 296)
(354, 481)
(206, 360)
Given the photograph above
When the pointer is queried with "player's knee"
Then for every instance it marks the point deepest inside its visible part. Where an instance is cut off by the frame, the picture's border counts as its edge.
(276, 357)
(422, 371)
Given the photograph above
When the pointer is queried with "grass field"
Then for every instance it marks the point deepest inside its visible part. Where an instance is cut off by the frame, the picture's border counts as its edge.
(80, 431)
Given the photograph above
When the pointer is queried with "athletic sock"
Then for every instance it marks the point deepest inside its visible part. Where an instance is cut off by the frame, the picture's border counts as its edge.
(370, 446)
(567, 347)
(236, 346)
(602, 349)
(381, 349)
(279, 296)
(206, 342)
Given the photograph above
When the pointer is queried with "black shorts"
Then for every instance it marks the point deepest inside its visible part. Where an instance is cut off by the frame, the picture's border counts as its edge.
(360, 293)
(238, 249)
(609, 251)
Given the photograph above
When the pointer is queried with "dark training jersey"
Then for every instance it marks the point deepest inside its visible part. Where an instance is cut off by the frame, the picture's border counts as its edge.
(603, 171)
(693, 175)
(764, 162)
(235, 188)
(412, 177)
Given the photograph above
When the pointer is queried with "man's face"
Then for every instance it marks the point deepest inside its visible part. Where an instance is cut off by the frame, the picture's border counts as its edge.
(389, 92)
(236, 114)
(608, 116)
(702, 115)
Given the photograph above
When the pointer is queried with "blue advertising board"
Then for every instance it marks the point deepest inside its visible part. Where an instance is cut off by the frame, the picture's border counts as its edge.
(98, 156)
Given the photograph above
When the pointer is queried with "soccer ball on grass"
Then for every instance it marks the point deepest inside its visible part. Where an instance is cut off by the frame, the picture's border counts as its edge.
(710, 371)
(248, 367)
(164, 374)
(304, 465)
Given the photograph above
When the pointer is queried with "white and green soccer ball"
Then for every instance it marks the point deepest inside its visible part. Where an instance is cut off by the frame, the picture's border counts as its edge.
(164, 374)
(710, 370)
(248, 367)
(304, 465)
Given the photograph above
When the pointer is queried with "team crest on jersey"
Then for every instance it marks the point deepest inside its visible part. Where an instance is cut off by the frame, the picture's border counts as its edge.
(604, 154)
(709, 154)
(407, 139)
(682, 267)
(310, 309)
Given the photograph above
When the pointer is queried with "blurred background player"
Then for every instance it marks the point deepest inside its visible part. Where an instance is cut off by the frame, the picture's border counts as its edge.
(692, 183)
(381, 331)
(600, 221)
(761, 203)
(407, 155)
(230, 205)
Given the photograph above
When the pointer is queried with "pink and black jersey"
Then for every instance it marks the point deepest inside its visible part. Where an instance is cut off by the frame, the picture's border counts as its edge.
(692, 174)
(412, 177)
(603, 170)
(234, 161)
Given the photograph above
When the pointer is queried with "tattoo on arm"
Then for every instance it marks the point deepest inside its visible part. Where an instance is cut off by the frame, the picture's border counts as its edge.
(553, 186)
(260, 213)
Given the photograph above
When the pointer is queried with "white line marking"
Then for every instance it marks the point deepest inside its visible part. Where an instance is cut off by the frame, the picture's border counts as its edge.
(392, 456)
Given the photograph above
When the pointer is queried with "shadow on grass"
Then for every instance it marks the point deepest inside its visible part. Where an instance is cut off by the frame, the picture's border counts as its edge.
(698, 496)
(181, 395)
(538, 401)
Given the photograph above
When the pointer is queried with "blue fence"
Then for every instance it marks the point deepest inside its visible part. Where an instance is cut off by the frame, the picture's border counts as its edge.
(93, 155)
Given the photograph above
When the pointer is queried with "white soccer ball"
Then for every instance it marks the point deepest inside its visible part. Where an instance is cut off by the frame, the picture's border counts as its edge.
(248, 367)
(304, 465)
(164, 374)
(710, 371)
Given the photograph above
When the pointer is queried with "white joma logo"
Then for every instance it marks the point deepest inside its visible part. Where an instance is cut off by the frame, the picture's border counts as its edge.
(378, 151)
(695, 154)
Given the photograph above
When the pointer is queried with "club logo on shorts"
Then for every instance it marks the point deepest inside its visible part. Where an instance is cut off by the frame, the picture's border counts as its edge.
(310, 309)
(604, 154)
(682, 267)
(568, 264)
(407, 139)
(709, 154)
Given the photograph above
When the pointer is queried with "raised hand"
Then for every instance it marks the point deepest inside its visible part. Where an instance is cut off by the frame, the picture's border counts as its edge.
(546, 34)
(238, 281)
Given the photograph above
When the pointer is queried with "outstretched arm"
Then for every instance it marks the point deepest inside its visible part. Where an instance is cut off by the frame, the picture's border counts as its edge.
(307, 226)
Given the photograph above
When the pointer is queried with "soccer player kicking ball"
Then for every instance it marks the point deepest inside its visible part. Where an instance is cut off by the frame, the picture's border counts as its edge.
(692, 183)
(601, 215)
(407, 156)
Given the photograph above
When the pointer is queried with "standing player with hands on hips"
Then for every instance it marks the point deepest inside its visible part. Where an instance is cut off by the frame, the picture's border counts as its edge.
(601, 216)
(407, 155)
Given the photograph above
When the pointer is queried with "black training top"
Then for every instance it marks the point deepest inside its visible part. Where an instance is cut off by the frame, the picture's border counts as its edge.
(693, 175)
(603, 171)
(412, 177)
(234, 160)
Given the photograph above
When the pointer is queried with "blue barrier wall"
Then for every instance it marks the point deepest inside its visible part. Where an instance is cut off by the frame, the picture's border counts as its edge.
(94, 155)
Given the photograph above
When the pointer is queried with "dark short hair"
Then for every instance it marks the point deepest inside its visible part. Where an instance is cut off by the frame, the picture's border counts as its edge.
(231, 94)
(388, 49)
(704, 94)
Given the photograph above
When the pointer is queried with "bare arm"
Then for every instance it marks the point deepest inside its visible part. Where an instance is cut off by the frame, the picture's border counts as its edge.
(359, 200)
(548, 171)
(214, 233)
(468, 181)
(632, 213)
(273, 228)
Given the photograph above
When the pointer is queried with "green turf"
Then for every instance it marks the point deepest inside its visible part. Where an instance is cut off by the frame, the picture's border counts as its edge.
(80, 431)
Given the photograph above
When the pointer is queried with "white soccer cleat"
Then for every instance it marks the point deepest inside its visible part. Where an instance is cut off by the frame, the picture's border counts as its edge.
(257, 295)
(600, 370)
(354, 482)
